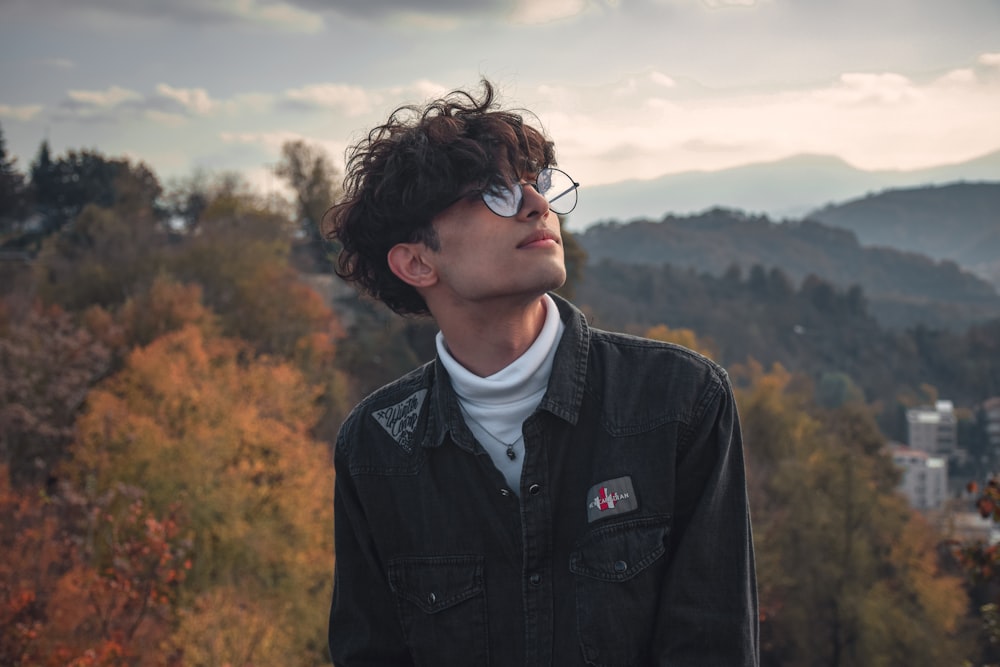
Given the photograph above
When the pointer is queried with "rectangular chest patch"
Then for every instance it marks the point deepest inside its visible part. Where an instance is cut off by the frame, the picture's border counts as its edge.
(400, 420)
(611, 498)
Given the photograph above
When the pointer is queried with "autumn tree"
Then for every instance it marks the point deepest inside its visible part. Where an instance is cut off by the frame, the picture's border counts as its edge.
(166, 307)
(85, 579)
(849, 575)
(48, 362)
(186, 199)
(105, 257)
(198, 420)
(684, 337)
(240, 260)
(981, 562)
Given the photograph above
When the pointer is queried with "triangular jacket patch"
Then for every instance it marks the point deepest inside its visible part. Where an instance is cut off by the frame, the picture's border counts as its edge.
(400, 420)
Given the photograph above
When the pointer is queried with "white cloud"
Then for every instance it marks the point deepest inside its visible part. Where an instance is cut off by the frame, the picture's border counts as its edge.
(661, 79)
(165, 118)
(194, 100)
(257, 103)
(418, 21)
(166, 105)
(543, 11)
(626, 88)
(872, 120)
(268, 146)
(863, 88)
(351, 100)
(279, 15)
(115, 15)
(959, 76)
(990, 59)
(103, 99)
(270, 140)
(24, 112)
(425, 89)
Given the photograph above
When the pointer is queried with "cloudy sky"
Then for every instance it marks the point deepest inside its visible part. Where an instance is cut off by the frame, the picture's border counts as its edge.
(627, 88)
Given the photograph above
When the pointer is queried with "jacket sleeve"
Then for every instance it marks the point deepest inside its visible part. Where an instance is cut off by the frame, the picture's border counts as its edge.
(708, 612)
(364, 630)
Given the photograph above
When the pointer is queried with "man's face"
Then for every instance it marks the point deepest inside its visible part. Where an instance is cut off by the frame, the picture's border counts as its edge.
(483, 256)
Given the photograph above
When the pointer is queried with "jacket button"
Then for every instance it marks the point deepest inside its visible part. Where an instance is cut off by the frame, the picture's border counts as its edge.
(432, 598)
(534, 489)
(620, 566)
(504, 492)
(535, 579)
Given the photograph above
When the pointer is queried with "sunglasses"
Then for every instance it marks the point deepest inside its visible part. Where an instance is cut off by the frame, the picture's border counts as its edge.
(559, 190)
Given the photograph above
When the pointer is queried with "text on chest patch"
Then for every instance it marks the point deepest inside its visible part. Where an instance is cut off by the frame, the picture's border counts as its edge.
(611, 498)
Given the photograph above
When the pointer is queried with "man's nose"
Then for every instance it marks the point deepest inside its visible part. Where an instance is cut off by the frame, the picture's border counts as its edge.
(533, 204)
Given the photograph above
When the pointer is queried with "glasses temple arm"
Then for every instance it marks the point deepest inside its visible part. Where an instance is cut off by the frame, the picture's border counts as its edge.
(566, 191)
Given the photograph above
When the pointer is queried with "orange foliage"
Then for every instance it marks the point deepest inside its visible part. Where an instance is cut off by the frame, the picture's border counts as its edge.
(685, 337)
(86, 581)
(204, 421)
(981, 560)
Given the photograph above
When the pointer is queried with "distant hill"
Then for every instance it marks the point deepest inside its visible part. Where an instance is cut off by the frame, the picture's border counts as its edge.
(823, 332)
(787, 188)
(960, 222)
(903, 288)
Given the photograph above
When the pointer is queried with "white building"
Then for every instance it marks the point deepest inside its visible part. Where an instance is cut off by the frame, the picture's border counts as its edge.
(925, 477)
(935, 431)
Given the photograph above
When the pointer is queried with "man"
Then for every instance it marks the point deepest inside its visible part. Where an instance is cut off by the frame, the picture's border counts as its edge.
(543, 493)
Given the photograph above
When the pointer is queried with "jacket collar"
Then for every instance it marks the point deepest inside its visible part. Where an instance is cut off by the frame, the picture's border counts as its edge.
(562, 398)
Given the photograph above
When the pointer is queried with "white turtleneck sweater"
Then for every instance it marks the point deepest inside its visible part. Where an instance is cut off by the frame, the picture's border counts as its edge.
(495, 407)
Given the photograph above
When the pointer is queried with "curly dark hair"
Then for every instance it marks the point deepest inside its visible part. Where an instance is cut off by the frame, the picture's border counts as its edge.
(407, 171)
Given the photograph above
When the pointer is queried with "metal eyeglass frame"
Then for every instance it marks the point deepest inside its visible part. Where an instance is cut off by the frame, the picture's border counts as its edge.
(506, 202)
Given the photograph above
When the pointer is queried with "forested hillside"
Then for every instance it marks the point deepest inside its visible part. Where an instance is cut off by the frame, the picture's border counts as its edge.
(904, 289)
(814, 328)
(960, 222)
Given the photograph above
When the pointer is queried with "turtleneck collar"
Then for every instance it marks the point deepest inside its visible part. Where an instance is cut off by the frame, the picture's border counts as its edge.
(525, 376)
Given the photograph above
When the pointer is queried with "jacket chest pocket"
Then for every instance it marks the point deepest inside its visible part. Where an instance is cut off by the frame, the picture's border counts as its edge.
(619, 570)
(441, 601)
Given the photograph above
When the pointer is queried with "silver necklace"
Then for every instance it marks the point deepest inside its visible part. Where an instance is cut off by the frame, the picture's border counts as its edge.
(511, 454)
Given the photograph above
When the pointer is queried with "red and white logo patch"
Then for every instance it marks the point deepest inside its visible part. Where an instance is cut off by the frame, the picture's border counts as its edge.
(610, 498)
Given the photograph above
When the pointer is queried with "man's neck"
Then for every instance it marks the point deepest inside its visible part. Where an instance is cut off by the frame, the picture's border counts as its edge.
(486, 340)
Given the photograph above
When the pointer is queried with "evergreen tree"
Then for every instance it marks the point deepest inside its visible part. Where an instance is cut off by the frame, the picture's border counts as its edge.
(13, 194)
(65, 186)
(43, 180)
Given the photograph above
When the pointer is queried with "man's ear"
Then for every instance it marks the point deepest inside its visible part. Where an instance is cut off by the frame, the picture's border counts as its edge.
(408, 261)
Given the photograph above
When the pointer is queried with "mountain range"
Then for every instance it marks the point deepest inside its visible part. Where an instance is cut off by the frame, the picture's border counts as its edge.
(784, 189)
(920, 255)
(958, 222)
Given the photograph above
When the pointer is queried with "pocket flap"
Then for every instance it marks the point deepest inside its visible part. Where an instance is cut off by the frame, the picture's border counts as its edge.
(620, 551)
(434, 583)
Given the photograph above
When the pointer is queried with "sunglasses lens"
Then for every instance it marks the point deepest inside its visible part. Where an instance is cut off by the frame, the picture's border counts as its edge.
(503, 200)
(558, 189)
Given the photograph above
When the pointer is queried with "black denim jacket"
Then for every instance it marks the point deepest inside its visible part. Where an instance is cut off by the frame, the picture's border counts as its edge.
(630, 543)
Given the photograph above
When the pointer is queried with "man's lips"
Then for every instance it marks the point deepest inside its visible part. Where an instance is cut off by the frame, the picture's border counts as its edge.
(541, 237)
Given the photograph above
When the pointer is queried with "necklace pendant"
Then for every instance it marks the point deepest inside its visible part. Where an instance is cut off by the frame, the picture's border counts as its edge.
(511, 454)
